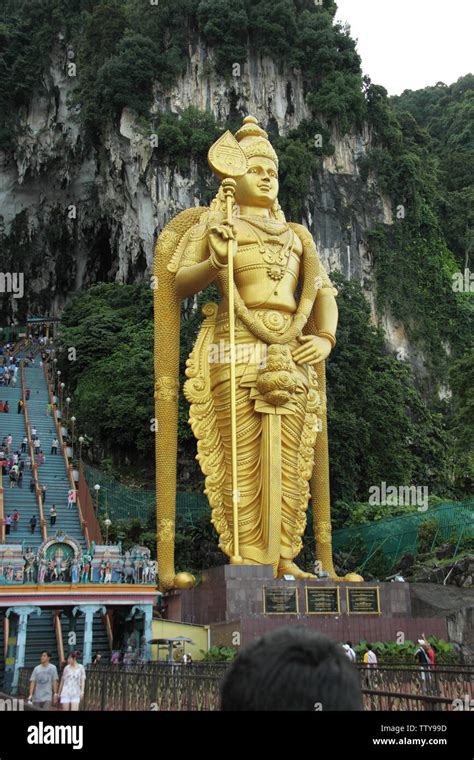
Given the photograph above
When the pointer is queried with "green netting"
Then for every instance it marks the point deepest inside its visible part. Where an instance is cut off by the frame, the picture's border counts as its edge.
(398, 536)
(127, 503)
(395, 536)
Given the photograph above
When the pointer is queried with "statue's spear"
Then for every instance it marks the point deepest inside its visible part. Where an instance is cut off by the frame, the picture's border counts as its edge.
(227, 160)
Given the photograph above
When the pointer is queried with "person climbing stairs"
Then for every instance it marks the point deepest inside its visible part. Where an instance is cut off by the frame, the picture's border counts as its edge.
(52, 473)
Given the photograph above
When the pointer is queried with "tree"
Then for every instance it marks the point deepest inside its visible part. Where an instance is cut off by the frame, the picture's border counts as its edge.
(224, 27)
(462, 421)
(380, 429)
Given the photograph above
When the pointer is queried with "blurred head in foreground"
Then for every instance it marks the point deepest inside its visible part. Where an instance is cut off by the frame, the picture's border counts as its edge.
(292, 669)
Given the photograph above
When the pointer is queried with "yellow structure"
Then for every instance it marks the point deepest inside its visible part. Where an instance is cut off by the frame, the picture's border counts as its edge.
(169, 629)
(256, 375)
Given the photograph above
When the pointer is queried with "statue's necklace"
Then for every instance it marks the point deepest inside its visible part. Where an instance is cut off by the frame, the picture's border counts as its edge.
(277, 256)
(271, 226)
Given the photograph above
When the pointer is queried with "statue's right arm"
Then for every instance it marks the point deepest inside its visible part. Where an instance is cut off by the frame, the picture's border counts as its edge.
(195, 271)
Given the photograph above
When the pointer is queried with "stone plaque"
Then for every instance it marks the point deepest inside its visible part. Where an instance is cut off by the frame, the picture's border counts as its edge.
(363, 601)
(280, 601)
(322, 601)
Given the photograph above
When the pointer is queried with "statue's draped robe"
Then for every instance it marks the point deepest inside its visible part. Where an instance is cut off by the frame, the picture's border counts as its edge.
(275, 444)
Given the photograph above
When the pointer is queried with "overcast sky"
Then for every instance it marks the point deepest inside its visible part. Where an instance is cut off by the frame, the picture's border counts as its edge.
(409, 44)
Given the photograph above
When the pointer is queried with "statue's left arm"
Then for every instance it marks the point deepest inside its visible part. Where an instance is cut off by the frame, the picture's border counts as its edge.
(318, 344)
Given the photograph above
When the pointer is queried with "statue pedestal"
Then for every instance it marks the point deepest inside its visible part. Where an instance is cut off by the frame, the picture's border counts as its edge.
(240, 603)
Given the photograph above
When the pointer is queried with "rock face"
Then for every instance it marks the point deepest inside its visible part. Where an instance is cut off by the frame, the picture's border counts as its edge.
(87, 215)
(456, 604)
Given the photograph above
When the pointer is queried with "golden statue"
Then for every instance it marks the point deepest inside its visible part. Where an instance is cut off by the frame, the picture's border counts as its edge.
(256, 382)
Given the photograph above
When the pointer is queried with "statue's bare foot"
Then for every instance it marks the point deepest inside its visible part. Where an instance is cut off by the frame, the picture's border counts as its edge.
(289, 568)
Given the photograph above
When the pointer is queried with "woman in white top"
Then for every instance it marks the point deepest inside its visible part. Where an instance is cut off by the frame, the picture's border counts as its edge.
(73, 681)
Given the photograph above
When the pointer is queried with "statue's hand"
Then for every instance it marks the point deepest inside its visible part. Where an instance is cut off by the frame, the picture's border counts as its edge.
(312, 350)
(219, 235)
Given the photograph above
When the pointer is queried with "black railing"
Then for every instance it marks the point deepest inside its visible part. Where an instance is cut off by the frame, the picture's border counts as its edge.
(375, 700)
(154, 686)
(444, 681)
(162, 687)
(23, 687)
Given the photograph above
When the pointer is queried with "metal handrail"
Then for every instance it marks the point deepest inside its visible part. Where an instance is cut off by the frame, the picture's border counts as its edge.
(59, 432)
(34, 466)
(2, 518)
(430, 702)
(407, 666)
(177, 686)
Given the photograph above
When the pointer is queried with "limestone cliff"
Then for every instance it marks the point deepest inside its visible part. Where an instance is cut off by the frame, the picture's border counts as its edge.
(87, 214)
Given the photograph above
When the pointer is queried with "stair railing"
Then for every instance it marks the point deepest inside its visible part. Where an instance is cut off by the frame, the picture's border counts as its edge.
(84, 524)
(59, 634)
(2, 518)
(20, 345)
(108, 628)
(34, 466)
(87, 506)
(6, 636)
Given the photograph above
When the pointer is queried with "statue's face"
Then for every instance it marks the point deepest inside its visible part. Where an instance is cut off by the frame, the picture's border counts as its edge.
(259, 187)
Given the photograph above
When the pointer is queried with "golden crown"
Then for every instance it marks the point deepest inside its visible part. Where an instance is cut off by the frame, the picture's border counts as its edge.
(254, 140)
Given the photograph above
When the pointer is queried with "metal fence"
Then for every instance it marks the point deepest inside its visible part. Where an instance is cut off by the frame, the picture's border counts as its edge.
(443, 682)
(164, 687)
(375, 701)
(159, 687)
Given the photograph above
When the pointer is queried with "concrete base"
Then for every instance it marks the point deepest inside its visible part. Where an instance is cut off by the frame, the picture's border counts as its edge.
(230, 600)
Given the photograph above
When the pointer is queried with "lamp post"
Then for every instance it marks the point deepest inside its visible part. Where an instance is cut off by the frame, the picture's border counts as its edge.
(61, 392)
(81, 441)
(53, 369)
(107, 523)
(68, 401)
(58, 377)
(73, 419)
(97, 489)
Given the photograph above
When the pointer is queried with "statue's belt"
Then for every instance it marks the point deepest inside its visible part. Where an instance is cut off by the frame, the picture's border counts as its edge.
(274, 320)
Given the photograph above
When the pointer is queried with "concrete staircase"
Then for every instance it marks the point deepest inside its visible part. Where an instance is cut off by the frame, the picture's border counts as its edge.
(40, 636)
(53, 472)
(18, 498)
(100, 641)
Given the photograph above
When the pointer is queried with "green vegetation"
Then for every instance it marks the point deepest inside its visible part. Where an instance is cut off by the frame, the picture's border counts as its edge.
(383, 425)
(132, 532)
(123, 47)
(111, 328)
(447, 114)
(380, 428)
(113, 393)
(387, 652)
(412, 260)
(462, 421)
(220, 654)
(390, 652)
(28, 31)
(419, 546)
(300, 157)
